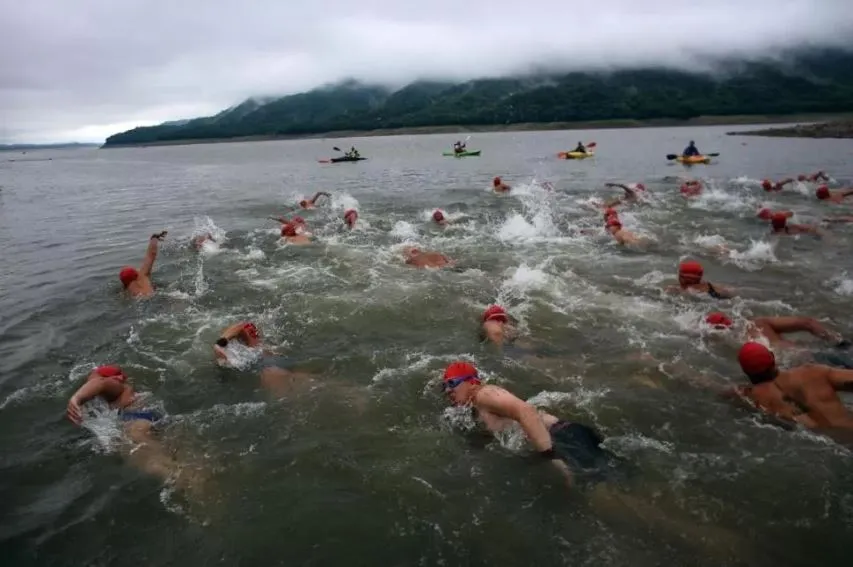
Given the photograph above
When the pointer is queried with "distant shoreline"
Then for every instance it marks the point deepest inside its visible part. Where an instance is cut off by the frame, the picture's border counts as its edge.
(521, 127)
(839, 129)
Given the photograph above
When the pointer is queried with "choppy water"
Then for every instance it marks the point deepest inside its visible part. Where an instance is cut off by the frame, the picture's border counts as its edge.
(370, 468)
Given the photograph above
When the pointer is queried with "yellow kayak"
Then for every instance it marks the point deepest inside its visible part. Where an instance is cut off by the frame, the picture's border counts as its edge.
(575, 155)
(693, 159)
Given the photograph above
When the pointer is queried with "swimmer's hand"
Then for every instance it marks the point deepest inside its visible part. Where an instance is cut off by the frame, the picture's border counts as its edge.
(160, 235)
(73, 411)
(563, 468)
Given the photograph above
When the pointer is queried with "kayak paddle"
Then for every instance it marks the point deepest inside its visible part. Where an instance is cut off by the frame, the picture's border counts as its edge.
(324, 161)
(337, 149)
(673, 156)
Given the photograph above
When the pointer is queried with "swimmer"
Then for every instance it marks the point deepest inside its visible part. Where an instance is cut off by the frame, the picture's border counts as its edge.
(499, 186)
(690, 281)
(109, 383)
(310, 203)
(277, 374)
(575, 453)
(767, 214)
(350, 218)
(198, 241)
(768, 185)
(779, 225)
(631, 191)
(772, 329)
(824, 194)
(420, 259)
(496, 326)
(819, 176)
(619, 234)
(138, 283)
(804, 394)
(294, 232)
(439, 218)
(692, 188)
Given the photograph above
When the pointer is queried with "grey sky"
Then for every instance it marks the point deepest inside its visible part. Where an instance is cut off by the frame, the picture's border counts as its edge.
(84, 69)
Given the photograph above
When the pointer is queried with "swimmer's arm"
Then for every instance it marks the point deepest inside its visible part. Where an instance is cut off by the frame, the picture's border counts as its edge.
(317, 196)
(725, 291)
(840, 378)
(89, 390)
(502, 403)
(846, 192)
(796, 324)
(233, 331)
(620, 186)
(151, 254)
(785, 182)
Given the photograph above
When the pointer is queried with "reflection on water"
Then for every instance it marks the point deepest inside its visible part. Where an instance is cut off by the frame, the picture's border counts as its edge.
(370, 459)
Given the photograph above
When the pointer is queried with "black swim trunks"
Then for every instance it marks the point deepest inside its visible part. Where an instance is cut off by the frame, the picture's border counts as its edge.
(580, 447)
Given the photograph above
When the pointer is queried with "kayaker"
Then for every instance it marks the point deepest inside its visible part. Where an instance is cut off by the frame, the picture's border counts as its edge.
(581, 148)
(459, 147)
(353, 153)
(691, 150)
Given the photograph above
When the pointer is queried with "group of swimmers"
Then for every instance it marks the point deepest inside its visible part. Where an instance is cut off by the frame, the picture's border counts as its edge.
(805, 394)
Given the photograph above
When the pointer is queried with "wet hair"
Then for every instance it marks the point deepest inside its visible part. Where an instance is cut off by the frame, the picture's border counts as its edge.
(766, 376)
(223, 342)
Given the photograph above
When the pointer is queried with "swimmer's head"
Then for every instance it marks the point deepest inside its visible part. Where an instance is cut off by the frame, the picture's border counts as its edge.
(459, 379)
(610, 212)
(222, 342)
(304, 203)
(613, 224)
(495, 313)
(765, 214)
(127, 275)
(109, 371)
(779, 221)
(251, 331)
(801, 178)
(822, 192)
(757, 362)
(288, 230)
(496, 181)
(438, 216)
(767, 185)
(718, 320)
(350, 216)
(639, 187)
(690, 273)
(411, 251)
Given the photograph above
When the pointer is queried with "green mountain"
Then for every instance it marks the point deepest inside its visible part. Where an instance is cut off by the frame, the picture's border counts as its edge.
(810, 81)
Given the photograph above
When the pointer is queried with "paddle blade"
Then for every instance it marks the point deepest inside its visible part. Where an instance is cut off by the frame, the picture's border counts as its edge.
(713, 155)
(324, 161)
(561, 155)
(671, 156)
(337, 149)
(591, 145)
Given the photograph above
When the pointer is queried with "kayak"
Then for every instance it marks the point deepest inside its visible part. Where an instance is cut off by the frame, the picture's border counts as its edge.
(462, 154)
(575, 155)
(346, 158)
(693, 159)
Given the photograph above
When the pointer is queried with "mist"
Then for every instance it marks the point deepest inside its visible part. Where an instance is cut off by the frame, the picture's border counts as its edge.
(82, 70)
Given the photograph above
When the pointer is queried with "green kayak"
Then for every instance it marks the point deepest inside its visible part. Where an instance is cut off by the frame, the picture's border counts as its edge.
(462, 154)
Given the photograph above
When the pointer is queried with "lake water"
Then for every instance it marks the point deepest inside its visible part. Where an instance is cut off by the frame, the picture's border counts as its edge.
(369, 466)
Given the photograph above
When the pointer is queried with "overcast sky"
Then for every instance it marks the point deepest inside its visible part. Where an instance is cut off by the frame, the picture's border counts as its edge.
(84, 69)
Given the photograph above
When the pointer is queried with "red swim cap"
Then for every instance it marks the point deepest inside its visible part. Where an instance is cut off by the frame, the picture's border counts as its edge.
(691, 269)
(779, 220)
(288, 230)
(801, 177)
(755, 359)
(640, 187)
(718, 320)
(251, 330)
(127, 275)
(613, 221)
(767, 185)
(461, 370)
(495, 313)
(438, 216)
(765, 214)
(609, 212)
(111, 371)
(496, 181)
(822, 192)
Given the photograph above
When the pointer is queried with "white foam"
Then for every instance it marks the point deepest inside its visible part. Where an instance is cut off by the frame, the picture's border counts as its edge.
(404, 231)
(759, 254)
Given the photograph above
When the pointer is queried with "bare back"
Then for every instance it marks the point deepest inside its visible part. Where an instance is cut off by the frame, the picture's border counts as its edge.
(812, 388)
(141, 287)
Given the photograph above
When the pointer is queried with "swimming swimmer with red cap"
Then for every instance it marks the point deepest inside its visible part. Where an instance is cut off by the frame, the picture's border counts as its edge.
(311, 203)
(496, 326)
(295, 231)
(499, 186)
(198, 241)
(276, 371)
(779, 225)
(690, 281)
(138, 282)
(769, 186)
(692, 188)
(110, 384)
(767, 213)
(439, 218)
(819, 176)
(804, 394)
(424, 258)
(624, 237)
(350, 218)
(631, 193)
(824, 194)
(772, 329)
